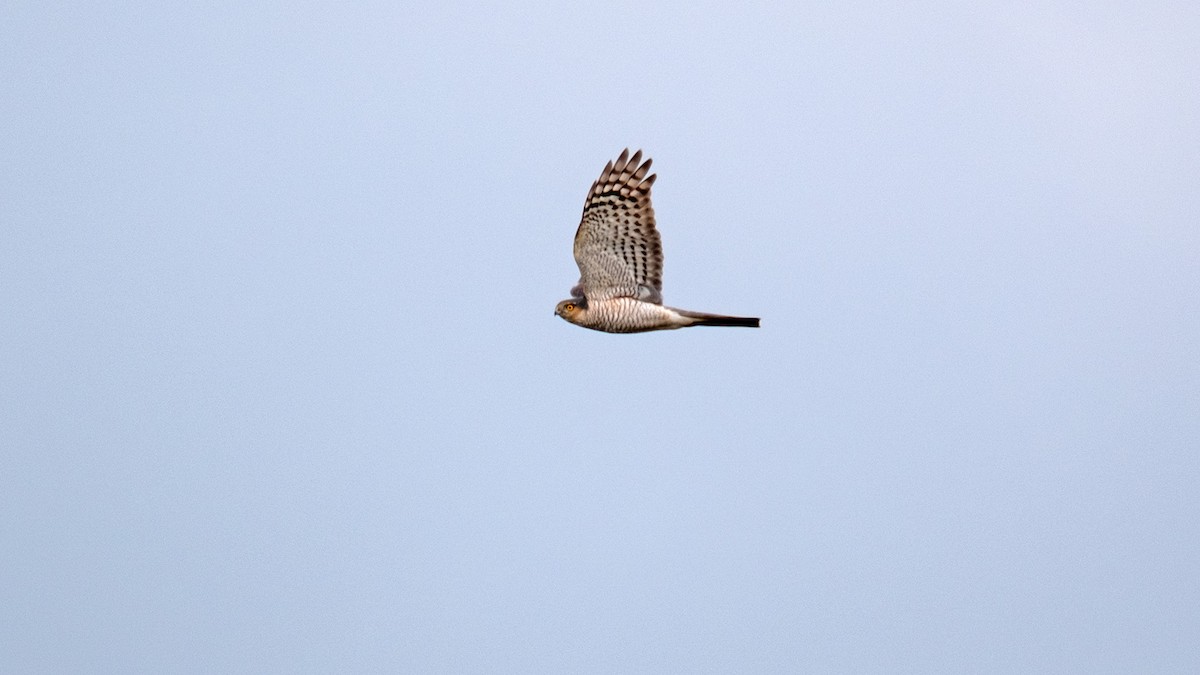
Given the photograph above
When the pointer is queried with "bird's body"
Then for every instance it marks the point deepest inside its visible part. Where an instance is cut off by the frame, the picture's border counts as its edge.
(630, 315)
(619, 253)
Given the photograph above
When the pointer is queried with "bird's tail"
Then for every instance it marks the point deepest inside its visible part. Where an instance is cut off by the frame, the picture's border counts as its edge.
(702, 319)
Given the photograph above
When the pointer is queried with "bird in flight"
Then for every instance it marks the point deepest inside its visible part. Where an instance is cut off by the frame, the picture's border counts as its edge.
(620, 259)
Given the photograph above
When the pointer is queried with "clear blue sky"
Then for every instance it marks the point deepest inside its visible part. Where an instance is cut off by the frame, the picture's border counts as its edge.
(281, 389)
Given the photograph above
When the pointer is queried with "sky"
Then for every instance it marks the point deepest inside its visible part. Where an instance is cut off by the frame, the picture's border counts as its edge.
(281, 388)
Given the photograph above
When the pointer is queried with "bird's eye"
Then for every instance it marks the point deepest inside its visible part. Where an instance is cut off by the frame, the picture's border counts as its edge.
(569, 307)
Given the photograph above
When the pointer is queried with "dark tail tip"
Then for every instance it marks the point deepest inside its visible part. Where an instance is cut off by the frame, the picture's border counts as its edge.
(743, 321)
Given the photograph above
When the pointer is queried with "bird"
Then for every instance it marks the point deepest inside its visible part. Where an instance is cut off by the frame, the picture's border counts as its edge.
(619, 254)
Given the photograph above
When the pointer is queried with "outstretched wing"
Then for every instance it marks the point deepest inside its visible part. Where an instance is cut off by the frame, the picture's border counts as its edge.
(617, 247)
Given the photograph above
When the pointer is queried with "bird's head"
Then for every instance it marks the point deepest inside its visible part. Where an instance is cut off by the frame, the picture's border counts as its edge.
(571, 310)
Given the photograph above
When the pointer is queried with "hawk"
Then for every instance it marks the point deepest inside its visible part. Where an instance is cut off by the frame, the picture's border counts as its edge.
(620, 259)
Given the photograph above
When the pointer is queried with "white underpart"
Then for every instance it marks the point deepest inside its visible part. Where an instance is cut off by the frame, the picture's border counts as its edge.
(633, 315)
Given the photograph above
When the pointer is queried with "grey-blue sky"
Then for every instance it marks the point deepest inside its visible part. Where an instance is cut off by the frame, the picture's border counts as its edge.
(282, 388)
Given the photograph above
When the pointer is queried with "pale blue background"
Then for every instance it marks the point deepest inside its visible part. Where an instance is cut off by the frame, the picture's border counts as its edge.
(282, 389)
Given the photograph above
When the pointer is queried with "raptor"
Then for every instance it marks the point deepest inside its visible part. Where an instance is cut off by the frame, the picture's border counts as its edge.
(619, 253)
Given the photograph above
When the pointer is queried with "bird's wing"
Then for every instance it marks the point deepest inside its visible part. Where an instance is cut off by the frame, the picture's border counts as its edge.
(617, 247)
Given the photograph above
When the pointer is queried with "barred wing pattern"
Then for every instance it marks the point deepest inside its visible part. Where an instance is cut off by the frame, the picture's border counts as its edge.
(617, 247)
